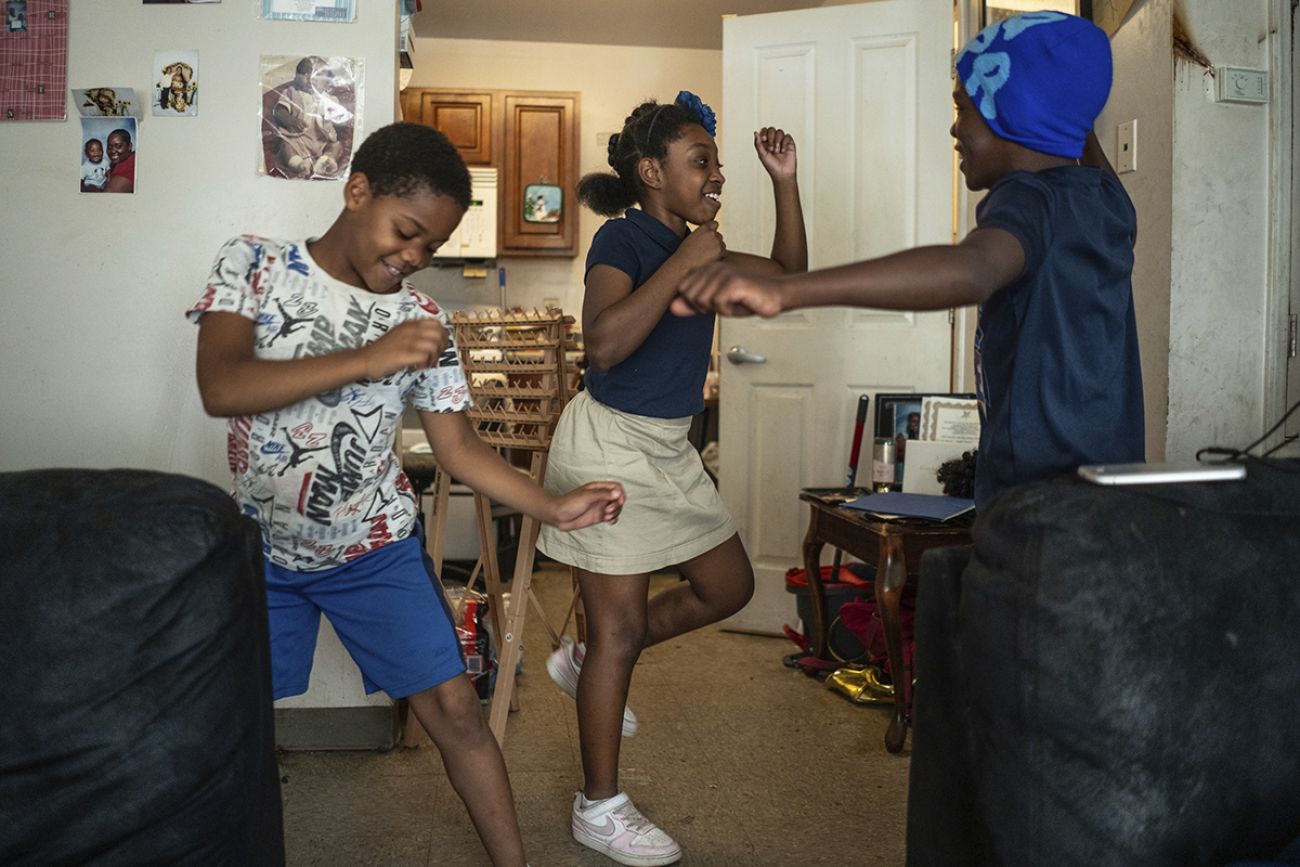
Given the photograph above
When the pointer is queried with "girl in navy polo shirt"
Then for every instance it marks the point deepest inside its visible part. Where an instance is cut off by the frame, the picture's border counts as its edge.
(644, 382)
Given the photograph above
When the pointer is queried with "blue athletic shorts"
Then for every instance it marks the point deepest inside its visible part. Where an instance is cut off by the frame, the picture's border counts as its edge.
(386, 611)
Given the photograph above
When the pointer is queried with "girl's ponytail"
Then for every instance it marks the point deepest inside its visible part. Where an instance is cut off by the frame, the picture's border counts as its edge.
(605, 193)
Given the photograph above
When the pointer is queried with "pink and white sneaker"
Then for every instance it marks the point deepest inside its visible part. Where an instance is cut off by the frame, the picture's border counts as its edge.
(616, 828)
(565, 664)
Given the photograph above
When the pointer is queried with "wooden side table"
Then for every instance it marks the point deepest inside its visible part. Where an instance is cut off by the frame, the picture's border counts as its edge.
(888, 545)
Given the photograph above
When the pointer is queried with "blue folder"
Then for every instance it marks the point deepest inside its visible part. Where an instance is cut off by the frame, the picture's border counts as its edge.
(932, 506)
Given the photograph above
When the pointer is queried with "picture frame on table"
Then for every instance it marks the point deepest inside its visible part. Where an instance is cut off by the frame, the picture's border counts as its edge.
(899, 416)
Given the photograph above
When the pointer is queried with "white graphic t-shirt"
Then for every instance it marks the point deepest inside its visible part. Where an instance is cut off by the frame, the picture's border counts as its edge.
(320, 476)
(95, 174)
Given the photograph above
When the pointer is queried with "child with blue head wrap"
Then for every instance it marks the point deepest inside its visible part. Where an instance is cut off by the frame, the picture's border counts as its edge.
(1039, 79)
(1049, 263)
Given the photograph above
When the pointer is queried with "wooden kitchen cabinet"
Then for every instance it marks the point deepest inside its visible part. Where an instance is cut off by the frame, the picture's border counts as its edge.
(531, 138)
(465, 117)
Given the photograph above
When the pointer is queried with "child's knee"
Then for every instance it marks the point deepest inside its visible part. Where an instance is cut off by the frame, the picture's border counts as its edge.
(735, 594)
(452, 714)
(741, 591)
(467, 728)
(623, 643)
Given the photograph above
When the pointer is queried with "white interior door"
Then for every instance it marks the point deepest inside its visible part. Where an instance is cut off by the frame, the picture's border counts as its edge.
(866, 92)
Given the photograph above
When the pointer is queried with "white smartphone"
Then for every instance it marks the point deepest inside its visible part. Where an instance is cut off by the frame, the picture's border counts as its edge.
(1160, 474)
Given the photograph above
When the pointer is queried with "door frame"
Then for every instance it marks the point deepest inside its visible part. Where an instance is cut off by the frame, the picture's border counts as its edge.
(969, 15)
(1282, 299)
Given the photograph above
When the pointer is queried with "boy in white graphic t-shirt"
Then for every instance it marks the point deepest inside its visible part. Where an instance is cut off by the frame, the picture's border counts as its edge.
(312, 349)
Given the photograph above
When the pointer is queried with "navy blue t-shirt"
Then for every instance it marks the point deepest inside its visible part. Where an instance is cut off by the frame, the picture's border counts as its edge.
(1056, 351)
(664, 376)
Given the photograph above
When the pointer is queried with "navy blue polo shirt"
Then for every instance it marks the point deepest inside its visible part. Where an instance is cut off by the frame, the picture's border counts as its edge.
(664, 376)
(1056, 352)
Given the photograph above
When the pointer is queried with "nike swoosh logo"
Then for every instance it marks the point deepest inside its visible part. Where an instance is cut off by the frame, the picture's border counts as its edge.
(598, 830)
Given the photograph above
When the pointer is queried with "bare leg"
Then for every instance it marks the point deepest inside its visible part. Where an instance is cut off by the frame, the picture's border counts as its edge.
(616, 630)
(718, 583)
(450, 712)
(620, 624)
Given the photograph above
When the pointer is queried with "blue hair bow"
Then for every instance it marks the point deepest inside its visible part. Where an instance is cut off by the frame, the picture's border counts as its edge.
(697, 106)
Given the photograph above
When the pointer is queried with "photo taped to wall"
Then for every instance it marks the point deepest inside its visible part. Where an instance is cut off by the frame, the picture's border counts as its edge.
(310, 114)
(105, 101)
(15, 16)
(337, 11)
(108, 146)
(176, 83)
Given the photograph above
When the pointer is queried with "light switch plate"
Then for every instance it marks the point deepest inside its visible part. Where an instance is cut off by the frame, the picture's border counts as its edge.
(1126, 147)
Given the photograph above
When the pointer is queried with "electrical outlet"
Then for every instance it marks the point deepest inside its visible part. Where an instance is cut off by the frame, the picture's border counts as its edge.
(1126, 157)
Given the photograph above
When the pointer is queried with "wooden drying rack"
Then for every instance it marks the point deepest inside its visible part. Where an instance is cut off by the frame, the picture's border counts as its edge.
(519, 380)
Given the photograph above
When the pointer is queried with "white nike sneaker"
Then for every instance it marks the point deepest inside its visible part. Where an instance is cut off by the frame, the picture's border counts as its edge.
(616, 828)
(565, 664)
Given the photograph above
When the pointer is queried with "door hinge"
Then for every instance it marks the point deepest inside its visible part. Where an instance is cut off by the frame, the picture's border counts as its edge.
(1291, 337)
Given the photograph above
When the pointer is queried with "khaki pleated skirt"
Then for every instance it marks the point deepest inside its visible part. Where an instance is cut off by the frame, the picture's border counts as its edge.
(673, 511)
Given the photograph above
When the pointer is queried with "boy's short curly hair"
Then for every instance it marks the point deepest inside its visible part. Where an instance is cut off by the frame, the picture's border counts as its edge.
(404, 158)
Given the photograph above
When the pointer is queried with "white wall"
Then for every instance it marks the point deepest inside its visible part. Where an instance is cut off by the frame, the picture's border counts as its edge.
(97, 358)
(612, 79)
(1219, 264)
(1143, 91)
(1201, 193)
(98, 362)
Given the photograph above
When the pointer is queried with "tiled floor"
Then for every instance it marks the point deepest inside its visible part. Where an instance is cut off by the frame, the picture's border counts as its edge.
(743, 761)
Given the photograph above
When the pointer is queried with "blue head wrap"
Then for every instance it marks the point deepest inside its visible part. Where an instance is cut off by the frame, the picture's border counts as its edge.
(700, 109)
(1040, 79)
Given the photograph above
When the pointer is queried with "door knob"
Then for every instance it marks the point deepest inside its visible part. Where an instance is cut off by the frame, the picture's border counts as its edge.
(740, 355)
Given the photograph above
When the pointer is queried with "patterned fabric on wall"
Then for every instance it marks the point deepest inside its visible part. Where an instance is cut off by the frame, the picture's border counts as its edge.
(34, 60)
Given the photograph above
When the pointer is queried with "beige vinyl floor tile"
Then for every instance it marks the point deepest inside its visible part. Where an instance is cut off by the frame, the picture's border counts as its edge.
(743, 761)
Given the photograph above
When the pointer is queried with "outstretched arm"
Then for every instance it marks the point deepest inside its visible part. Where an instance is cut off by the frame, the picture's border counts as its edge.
(233, 381)
(922, 278)
(471, 461)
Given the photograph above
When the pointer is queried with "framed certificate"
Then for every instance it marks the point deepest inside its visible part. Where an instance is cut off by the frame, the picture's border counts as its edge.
(950, 420)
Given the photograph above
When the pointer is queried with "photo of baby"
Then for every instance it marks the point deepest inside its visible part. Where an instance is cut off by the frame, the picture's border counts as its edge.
(94, 167)
(309, 111)
(108, 154)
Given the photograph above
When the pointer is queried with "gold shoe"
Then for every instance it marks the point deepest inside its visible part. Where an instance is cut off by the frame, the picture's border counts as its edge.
(875, 685)
(860, 685)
